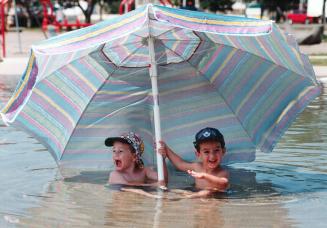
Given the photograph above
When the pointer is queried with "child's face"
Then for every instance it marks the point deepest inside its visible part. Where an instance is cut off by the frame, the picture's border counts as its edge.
(123, 157)
(211, 154)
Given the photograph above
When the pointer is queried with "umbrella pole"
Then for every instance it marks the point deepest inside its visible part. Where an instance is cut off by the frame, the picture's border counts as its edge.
(156, 111)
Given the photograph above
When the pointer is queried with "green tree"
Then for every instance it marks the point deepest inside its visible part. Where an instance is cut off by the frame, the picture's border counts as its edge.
(214, 5)
(271, 5)
(87, 12)
(278, 7)
(113, 5)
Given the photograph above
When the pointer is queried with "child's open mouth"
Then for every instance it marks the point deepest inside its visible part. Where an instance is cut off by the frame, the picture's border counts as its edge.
(118, 163)
(212, 163)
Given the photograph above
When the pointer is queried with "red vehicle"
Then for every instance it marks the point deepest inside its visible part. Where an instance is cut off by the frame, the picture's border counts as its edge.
(299, 17)
(49, 18)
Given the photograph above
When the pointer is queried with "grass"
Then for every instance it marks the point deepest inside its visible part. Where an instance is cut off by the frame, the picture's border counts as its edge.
(324, 38)
(318, 61)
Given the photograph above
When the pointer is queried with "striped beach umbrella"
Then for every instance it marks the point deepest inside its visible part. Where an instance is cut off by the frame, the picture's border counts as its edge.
(162, 73)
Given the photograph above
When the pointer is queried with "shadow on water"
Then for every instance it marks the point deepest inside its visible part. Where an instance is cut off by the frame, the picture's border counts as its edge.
(266, 180)
(275, 181)
(90, 177)
(89, 202)
(244, 184)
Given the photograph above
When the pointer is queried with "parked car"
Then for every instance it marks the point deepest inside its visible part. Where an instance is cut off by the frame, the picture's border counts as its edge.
(299, 17)
(29, 14)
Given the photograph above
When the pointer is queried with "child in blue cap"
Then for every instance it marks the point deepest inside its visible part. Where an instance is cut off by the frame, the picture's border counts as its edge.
(210, 149)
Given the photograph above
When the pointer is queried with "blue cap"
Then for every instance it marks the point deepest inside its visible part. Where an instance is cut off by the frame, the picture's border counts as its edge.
(209, 133)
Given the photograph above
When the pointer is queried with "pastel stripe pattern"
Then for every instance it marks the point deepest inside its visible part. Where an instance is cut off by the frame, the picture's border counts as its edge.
(243, 76)
(22, 91)
(55, 106)
(204, 22)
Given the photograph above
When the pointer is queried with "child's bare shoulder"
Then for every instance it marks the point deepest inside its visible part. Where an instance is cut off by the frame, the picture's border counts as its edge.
(223, 173)
(114, 173)
(150, 172)
(116, 177)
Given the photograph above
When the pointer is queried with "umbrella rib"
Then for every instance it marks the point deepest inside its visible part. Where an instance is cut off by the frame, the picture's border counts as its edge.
(157, 35)
(135, 42)
(268, 60)
(119, 45)
(265, 59)
(180, 56)
(101, 86)
(177, 39)
(83, 112)
(174, 28)
(170, 30)
(127, 57)
(187, 60)
(116, 111)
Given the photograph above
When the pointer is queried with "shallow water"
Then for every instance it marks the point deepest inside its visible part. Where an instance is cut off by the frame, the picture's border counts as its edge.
(287, 188)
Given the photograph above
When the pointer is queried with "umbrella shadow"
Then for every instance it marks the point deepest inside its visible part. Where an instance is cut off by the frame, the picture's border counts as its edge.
(244, 183)
(89, 177)
(274, 181)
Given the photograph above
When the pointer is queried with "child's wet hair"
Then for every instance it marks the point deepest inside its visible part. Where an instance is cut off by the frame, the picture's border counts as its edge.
(198, 145)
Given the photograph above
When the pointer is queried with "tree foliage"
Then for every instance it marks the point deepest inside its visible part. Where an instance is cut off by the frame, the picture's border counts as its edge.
(214, 5)
(90, 6)
(86, 11)
(33, 7)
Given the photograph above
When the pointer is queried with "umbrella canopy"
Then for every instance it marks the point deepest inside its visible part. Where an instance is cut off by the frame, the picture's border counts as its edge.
(243, 76)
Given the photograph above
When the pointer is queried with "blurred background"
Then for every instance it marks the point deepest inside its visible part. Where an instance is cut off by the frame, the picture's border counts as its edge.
(304, 19)
(31, 13)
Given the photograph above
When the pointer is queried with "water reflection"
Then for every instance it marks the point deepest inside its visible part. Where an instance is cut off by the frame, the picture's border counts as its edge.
(244, 184)
(83, 200)
(91, 177)
(310, 128)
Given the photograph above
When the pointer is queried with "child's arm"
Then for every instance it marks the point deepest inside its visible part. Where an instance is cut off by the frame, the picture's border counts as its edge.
(221, 182)
(153, 175)
(165, 170)
(141, 192)
(177, 161)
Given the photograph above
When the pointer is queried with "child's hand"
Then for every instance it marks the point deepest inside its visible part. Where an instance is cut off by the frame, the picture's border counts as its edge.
(196, 174)
(162, 149)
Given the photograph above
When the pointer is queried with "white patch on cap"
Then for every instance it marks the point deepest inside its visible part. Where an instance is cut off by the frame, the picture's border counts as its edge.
(206, 134)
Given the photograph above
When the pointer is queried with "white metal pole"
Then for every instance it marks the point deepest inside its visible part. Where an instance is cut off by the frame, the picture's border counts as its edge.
(156, 111)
